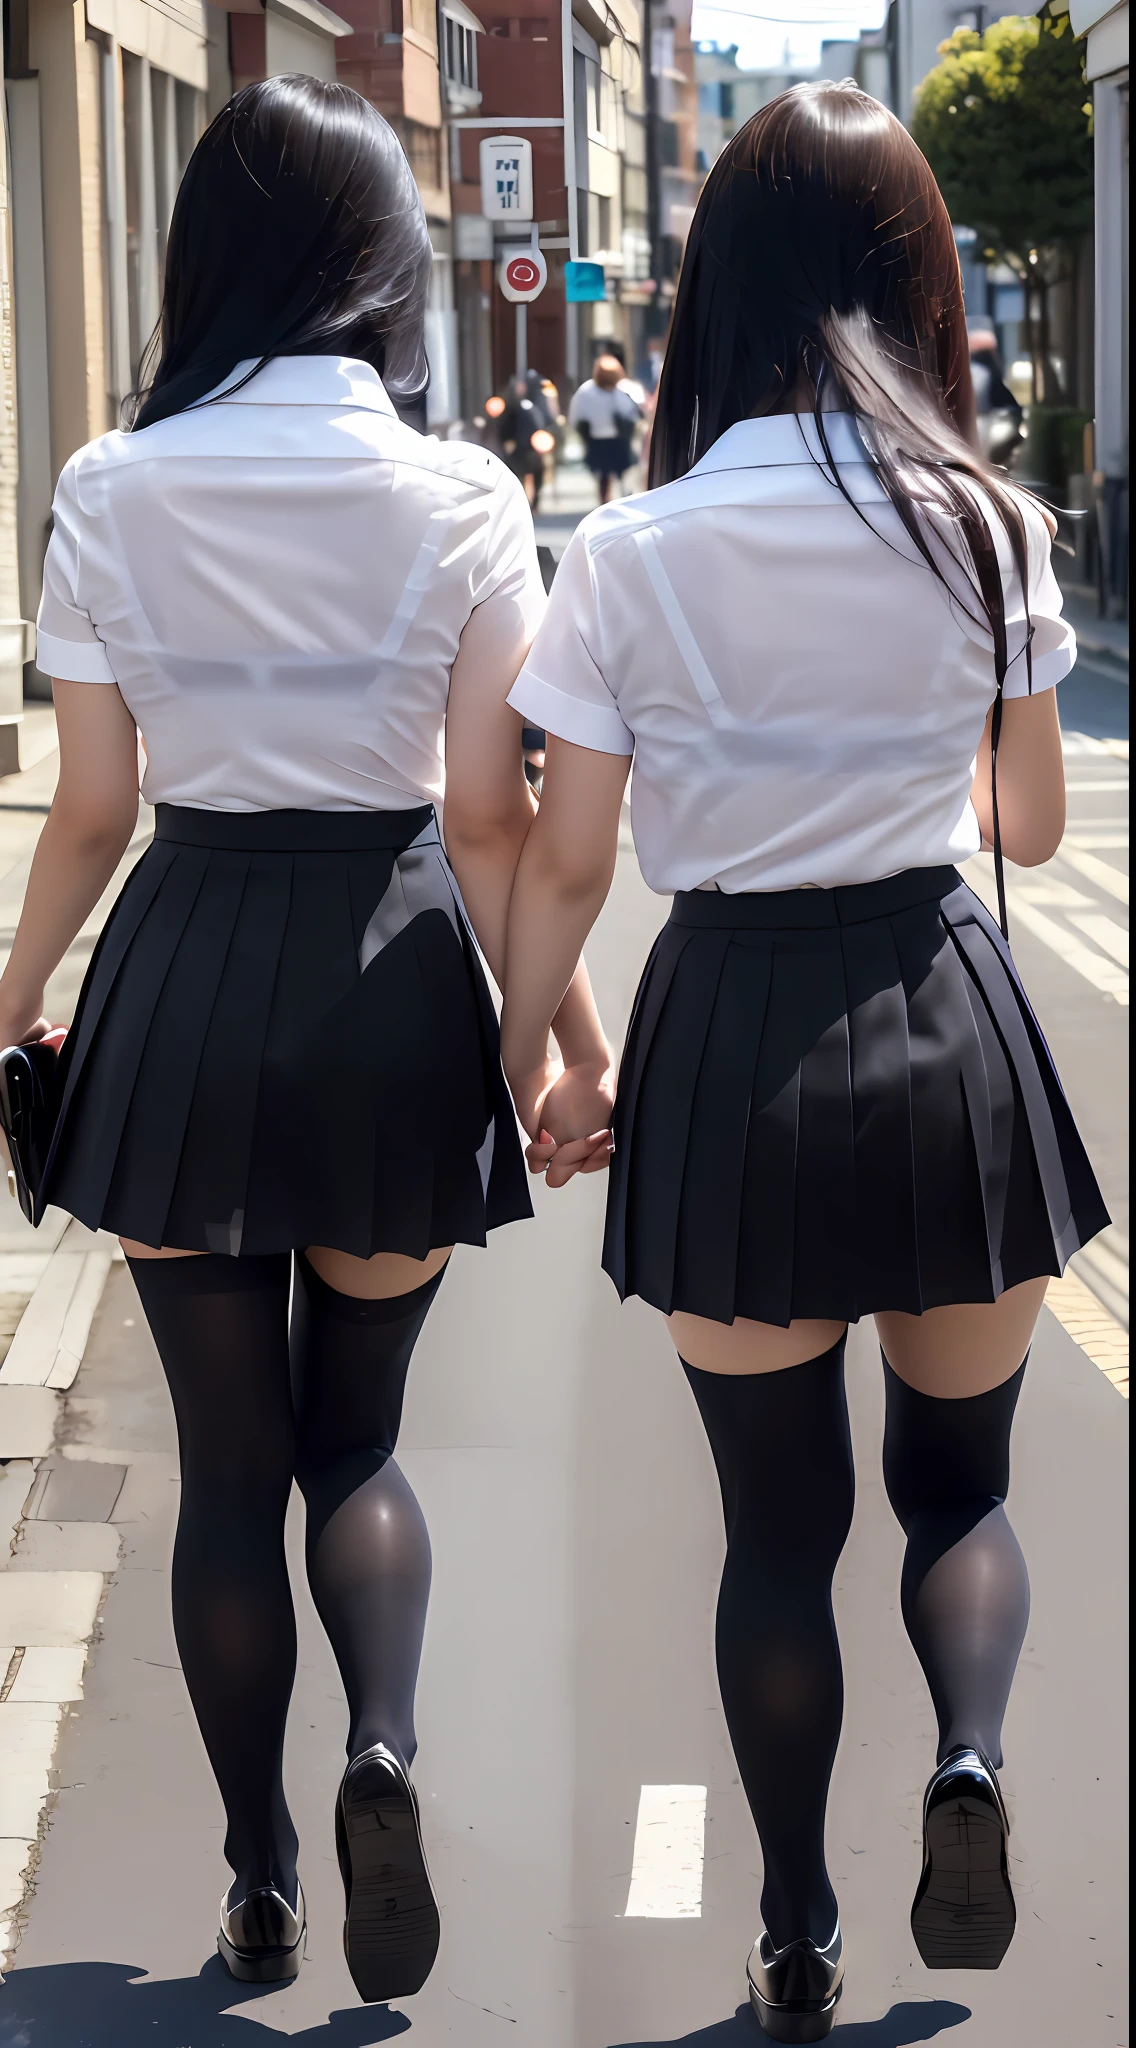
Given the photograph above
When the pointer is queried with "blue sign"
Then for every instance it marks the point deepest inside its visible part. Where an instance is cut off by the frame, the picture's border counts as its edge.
(583, 283)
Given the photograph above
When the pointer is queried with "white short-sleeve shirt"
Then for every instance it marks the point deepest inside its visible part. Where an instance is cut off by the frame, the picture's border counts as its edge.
(606, 414)
(277, 581)
(803, 699)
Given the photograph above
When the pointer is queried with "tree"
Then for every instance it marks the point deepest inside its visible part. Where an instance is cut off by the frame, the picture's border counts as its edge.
(1005, 121)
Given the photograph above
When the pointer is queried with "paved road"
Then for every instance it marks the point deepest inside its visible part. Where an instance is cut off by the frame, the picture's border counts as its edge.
(568, 1659)
(568, 1663)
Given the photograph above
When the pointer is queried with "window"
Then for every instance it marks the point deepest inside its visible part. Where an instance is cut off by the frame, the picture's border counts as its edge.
(459, 51)
(421, 146)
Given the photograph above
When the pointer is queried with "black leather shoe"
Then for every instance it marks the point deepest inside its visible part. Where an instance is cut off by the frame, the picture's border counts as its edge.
(963, 1917)
(794, 1990)
(261, 1941)
(392, 1930)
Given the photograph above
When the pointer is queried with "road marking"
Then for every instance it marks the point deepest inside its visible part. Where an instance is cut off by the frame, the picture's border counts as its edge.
(1103, 1265)
(1103, 974)
(1059, 895)
(1099, 871)
(666, 1871)
(1089, 1324)
(1108, 842)
(1104, 932)
(1107, 782)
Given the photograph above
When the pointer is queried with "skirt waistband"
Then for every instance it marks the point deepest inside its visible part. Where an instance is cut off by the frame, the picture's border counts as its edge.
(814, 909)
(293, 831)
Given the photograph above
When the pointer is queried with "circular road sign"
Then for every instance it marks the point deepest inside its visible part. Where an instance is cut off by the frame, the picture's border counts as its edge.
(522, 276)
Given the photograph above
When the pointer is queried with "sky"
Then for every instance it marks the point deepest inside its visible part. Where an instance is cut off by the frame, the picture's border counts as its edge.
(768, 30)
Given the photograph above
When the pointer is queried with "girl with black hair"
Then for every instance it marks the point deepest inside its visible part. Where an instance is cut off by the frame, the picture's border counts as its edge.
(815, 634)
(282, 1086)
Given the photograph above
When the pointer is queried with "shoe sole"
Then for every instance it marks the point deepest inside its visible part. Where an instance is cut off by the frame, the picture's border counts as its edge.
(780, 2023)
(392, 1930)
(267, 1966)
(964, 1914)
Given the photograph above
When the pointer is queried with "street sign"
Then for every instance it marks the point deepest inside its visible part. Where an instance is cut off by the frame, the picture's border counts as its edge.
(522, 276)
(584, 283)
(506, 178)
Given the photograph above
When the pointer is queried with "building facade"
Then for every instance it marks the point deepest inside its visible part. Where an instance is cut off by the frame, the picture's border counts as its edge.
(103, 103)
(568, 81)
(1105, 30)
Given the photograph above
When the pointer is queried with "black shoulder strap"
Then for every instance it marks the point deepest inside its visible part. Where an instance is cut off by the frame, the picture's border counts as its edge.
(990, 583)
(999, 864)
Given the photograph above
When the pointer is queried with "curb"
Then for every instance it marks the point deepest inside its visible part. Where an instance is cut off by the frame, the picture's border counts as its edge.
(53, 1573)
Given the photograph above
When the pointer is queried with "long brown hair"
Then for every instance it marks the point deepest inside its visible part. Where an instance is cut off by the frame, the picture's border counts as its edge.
(821, 244)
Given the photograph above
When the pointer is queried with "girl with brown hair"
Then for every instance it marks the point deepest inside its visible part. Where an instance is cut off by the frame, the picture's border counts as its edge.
(605, 414)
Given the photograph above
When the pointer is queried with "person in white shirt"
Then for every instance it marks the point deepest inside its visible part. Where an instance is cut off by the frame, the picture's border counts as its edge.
(809, 639)
(604, 410)
(282, 1080)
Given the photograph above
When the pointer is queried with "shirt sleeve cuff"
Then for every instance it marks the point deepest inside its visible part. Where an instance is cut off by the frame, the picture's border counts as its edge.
(1048, 669)
(73, 661)
(596, 726)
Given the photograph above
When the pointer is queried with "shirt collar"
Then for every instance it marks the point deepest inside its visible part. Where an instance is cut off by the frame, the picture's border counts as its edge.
(308, 380)
(778, 439)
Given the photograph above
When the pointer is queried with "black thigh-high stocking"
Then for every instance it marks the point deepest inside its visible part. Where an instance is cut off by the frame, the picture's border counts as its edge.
(784, 1457)
(221, 1329)
(965, 1589)
(368, 1552)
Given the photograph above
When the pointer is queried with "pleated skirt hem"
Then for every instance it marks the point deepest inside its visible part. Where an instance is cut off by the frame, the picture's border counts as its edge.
(285, 1038)
(837, 1102)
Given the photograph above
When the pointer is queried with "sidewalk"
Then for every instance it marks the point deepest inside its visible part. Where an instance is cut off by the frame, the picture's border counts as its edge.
(56, 1552)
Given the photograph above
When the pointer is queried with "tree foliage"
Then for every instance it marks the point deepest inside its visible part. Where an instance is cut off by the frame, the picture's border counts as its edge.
(1005, 121)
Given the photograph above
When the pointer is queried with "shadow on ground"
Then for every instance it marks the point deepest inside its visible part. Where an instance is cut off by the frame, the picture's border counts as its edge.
(915, 2020)
(115, 2005)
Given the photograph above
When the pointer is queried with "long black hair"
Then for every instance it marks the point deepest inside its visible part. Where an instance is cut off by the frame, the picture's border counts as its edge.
(297, 230)
(821, 246)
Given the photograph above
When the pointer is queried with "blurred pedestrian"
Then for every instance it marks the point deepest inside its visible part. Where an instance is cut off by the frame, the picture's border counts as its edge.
(819, 634)
(612, 347)
(282, 1084)
(525, 423)
(606, 416)
(997, 411)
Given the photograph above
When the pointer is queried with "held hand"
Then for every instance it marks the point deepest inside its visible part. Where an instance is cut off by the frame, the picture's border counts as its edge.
(558, 1163)
(574, 1124)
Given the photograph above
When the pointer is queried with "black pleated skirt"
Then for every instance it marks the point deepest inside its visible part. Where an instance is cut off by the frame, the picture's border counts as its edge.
(285, 1038)
(835, 1101)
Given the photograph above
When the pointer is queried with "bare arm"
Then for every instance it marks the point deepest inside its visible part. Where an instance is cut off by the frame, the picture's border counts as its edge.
(490, 805)
(562, 879)
(88, 829)
(1031, 781)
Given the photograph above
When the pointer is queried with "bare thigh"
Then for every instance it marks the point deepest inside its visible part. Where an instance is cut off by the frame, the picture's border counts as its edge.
(387, 1274)
(966, 1349)
(149, 1251)
(949, 1352)
(744, 1347)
